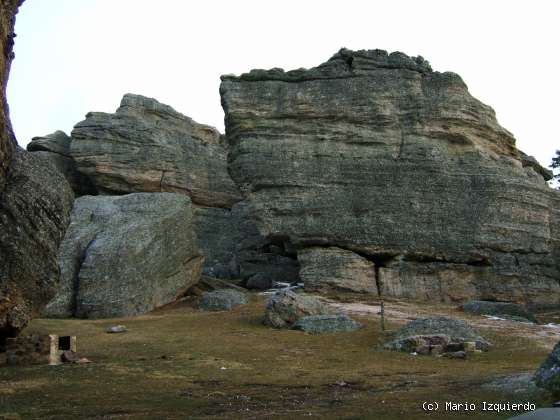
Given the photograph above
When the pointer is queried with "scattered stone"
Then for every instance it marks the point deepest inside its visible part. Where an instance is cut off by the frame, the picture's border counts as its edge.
(126, 255)
(548, 374)
(69, 356)
(116, 329)
(440, 335)
(455, 355)
(454, 347)
(285, 308)
(223, 300)
(320, 324)
(470, 346)
(506, 310)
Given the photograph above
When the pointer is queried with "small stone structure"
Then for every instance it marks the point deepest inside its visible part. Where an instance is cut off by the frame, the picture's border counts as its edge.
(38, 349)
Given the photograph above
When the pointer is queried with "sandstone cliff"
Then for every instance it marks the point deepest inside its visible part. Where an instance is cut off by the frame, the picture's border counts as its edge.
(381, 156)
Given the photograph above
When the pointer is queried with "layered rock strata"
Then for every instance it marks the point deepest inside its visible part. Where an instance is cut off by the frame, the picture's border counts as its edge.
(379, 155)
(126, 255)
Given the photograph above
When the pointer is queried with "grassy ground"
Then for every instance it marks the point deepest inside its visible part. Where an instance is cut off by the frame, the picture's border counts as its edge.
(183, 363)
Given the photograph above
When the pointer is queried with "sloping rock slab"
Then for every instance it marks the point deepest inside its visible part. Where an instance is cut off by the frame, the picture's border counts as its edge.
(456, 330)
(286, 307)
(509, 310)
(126, 255)
(320, 324)
(223, 300)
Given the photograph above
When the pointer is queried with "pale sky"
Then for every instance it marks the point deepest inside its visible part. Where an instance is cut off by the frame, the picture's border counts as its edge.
(75, 56)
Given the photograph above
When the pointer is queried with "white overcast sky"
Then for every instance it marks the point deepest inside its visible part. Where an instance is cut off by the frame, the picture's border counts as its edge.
(75, 56)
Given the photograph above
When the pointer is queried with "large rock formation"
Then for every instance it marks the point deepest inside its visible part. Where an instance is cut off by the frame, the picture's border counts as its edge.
(376, 154)
(148, 146)
(35, 203)
(125, 255)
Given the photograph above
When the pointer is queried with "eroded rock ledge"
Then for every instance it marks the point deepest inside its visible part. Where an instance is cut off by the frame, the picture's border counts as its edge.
(376, 154)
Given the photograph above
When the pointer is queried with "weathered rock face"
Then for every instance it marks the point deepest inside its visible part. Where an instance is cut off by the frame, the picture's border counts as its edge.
(55, 148)
(34, 213)
(337, 269)
(149, 147)
(125, 255)
(234, 248)
(8, 10)
(377, 154)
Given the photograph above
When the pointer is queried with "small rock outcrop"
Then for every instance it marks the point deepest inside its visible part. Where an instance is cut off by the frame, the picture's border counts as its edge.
(436, 336)
(377, 154)
(548, 374)
(223, 300)
(146, 146)
(285, 308)
(501, 309)
(126, 255)
(55, 148)
(321, 324)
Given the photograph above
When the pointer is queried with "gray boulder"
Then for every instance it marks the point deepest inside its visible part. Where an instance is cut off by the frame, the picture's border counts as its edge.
(320, 324)
(223, 300)
(126, 255)
(379, 155)
(450, 334)
(548, 374)
(285, 308)
(504, 309)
